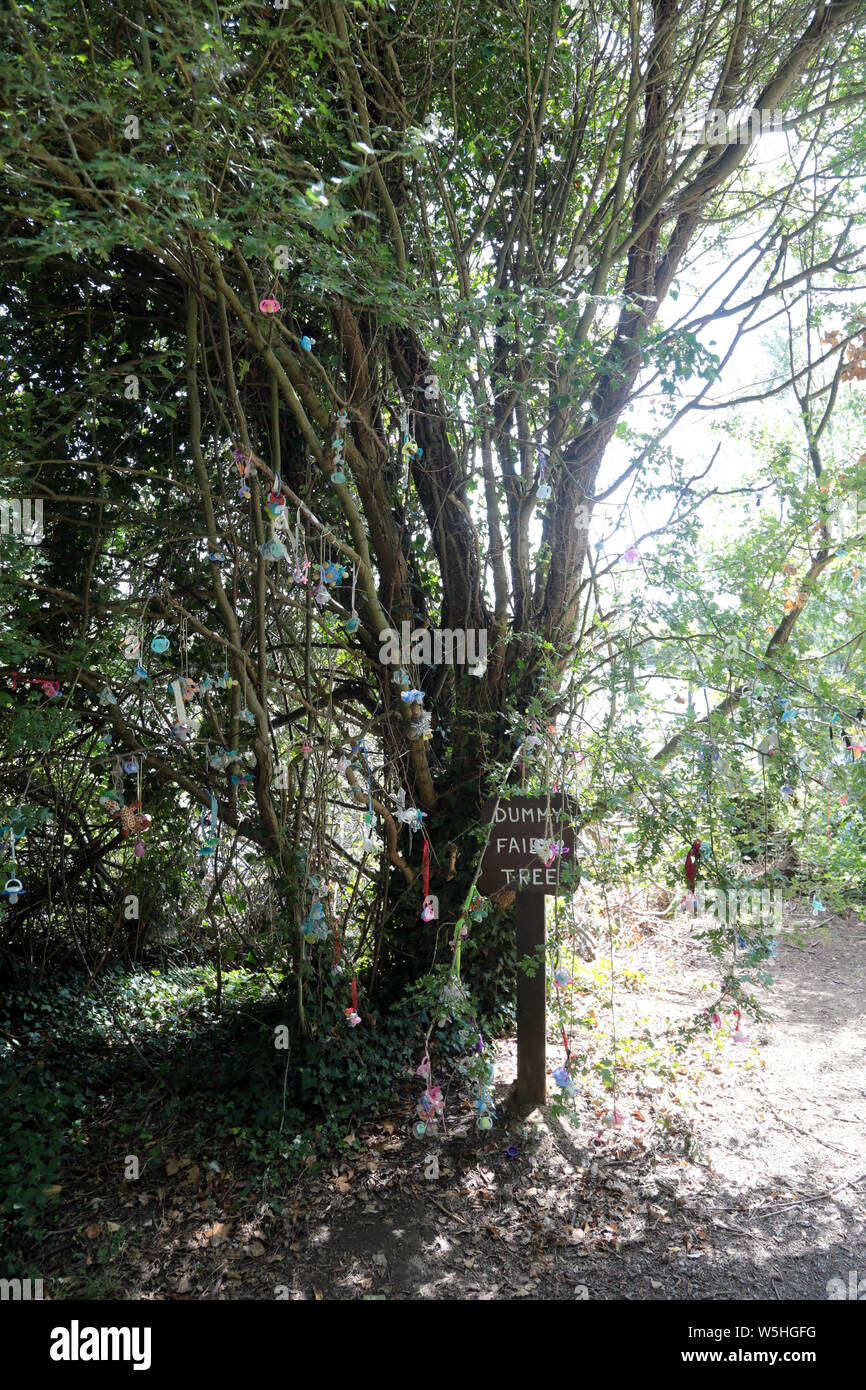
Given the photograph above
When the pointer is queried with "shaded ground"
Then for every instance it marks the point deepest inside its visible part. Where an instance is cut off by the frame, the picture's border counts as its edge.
(739, 1171)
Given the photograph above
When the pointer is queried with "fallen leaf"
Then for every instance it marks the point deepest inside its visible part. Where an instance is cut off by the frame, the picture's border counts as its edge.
(219, 1232)
(92, 1231)
(53, 1191)
(255, 1249)
(318, 1295)
(172, 1166)
(113, 1226)
(342, 1183)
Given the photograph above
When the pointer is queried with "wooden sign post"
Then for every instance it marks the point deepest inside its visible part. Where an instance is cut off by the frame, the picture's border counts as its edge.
(512, 860)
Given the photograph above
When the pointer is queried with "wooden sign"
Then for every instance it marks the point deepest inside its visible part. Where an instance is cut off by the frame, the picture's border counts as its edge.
(511, 860)
(520, 830)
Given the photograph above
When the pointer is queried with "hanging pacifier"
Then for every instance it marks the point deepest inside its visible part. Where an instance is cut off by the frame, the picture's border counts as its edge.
(430, 908)
(562, 1079)
(159, 643)
(13, 890)
(276, 503)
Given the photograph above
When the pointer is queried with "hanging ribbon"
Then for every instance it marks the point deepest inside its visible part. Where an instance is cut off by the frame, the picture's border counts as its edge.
(177, 692)
(363, 747)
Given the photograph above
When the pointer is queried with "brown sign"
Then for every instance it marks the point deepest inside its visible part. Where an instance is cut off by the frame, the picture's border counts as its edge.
(520, 830)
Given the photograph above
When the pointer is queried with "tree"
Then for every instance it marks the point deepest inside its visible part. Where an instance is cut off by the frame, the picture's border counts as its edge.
(411, 264)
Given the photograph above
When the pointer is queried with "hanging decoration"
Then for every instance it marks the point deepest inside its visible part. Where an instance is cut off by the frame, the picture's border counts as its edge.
(209, 829)
(13, 888)
(337, 446)
(691, 864)
(430, 905)
(544, 491)
(275, 506)
(369, 844)
(430, 1108)
(353, 1018)
(245, 467)
(409, 450)
(406, 815)
(352, 622)
(300, 561)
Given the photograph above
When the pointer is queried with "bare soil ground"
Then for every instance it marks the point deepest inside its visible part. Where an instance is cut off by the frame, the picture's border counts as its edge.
(739, 1171)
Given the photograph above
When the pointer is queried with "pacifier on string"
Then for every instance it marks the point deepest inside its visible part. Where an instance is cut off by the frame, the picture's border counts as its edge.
(131, 646)
(564, 1081)
(314, 927)
(245, 468)
(429, 1108)
(159, 643)
(430, 905)
(562, 977)
(180, 730)
(337, 474)
(276, 503)
(486, 1112)
(369, 843)
(13, 888)
(478, 907)
(320, 593)
(545, 491)
(273, 550)
(209, 831)
(353, 1018)
(351, 624)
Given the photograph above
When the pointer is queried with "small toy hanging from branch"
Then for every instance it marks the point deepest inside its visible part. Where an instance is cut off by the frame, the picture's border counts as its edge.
(13, 888)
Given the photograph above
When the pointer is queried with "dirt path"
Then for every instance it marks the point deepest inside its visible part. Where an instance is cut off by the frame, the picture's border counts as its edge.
(739, 1171)
(742, 1176)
